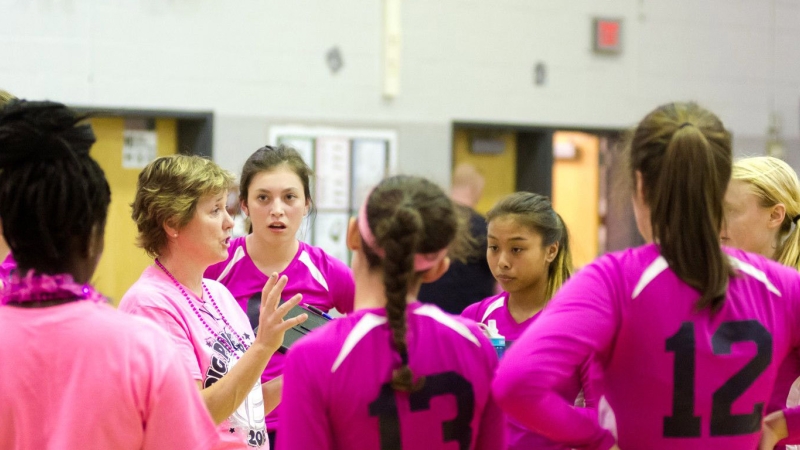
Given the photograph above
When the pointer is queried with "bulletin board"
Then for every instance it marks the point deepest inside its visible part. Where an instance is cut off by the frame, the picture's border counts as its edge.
(347, 164)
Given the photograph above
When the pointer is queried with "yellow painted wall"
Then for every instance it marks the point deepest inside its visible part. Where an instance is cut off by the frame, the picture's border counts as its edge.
(499, 171)
(122, 262)
(576, 194)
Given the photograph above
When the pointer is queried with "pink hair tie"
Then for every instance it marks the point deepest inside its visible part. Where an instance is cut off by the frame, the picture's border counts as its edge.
(422, 261)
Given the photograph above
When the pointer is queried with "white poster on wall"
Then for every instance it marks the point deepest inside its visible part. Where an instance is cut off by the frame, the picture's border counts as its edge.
(370, 163)
(330, 231)
(139, 147)
(333, 173)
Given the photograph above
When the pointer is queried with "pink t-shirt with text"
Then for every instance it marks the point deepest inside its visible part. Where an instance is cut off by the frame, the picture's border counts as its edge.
(324, 281)
(675, 378)
(337, 393)
(156, 297)
(82, 375)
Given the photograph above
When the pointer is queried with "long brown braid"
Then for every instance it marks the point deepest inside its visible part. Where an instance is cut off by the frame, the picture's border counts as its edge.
(407, 215)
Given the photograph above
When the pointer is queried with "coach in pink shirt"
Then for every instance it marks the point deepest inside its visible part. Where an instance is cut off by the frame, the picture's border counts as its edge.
(180, 213)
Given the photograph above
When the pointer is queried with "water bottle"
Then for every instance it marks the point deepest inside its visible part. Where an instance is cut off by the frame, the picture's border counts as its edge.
(497, 339)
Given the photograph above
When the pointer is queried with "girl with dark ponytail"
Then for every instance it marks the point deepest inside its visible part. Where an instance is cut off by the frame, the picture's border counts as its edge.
(77, 373)
(396, 374)
(687, 336)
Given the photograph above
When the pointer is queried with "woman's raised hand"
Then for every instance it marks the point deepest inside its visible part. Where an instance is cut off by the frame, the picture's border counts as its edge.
(271, 326)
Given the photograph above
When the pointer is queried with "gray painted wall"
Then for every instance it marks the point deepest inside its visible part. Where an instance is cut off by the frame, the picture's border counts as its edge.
(259, 62)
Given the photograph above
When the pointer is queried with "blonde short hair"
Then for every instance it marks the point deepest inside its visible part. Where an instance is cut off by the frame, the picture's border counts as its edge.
(167, 193)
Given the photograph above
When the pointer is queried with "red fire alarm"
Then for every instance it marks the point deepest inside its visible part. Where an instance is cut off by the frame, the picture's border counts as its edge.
(607, 35)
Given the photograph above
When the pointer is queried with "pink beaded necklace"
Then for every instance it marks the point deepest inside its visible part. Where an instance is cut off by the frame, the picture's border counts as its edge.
(219, 338)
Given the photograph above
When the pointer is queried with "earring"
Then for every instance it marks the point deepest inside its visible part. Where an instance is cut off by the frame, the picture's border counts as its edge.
(175, 235)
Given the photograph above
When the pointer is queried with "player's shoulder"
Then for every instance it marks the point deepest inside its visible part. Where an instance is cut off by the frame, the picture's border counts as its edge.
(319, 257)
(775, 276)
(455, 329)
(477, 310)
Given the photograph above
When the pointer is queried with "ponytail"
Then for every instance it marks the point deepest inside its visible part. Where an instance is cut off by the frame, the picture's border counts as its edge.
(789, 251)
(684, 156)
(399, 238)
(561, 268)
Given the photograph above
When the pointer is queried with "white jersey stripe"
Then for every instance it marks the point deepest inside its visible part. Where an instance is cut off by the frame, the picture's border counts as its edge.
(498, 303)
(748, 269)
(660, 264)
(305, 259)
(364, 326)
(650, 274)
(370, 321)
(237, 256)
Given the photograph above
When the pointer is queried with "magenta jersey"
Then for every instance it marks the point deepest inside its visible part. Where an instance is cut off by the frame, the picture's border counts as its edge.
(674, 377)
(82, 375)
(337, 393)
(496, 308)
(324, 281)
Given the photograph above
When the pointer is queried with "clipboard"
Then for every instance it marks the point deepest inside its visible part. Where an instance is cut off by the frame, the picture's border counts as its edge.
(316, 319)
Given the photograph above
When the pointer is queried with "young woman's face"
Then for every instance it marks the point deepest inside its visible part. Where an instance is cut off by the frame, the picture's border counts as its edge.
(207, 236)
(516, 255)
(747, 224)
(276, 204)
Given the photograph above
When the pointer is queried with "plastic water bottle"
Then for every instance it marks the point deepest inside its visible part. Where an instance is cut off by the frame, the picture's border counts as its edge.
(497, 339)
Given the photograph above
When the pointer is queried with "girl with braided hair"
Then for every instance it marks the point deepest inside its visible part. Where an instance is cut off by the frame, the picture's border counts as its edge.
(395, 374)
(76, 372)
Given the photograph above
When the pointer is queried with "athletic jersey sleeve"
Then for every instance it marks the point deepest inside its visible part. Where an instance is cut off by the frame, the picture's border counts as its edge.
(579, 322)
(303, 421)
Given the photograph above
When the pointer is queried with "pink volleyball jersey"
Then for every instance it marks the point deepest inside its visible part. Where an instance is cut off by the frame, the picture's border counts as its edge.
(324, 281)
(674, 377)
(496, 308)
(82, 375)
(208, 357)
(337, 393)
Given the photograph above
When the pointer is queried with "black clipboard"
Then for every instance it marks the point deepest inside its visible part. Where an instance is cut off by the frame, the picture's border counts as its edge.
(315, 320)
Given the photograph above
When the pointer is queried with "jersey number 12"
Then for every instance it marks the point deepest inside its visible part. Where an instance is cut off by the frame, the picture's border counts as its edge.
(683, 422)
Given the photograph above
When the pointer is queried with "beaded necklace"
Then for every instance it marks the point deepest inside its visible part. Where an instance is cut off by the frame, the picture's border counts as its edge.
(219, 338)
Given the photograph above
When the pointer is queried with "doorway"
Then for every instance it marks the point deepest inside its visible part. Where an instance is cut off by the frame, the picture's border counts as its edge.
(577, 168)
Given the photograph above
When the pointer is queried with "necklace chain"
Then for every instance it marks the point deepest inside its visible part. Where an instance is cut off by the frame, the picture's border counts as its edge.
(219, 338)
